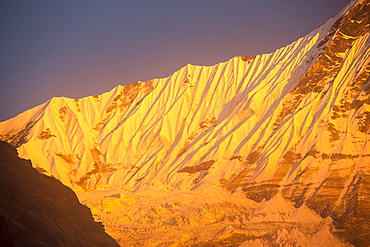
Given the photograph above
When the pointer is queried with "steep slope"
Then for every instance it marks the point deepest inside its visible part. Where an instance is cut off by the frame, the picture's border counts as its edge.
(199, 114)
(293, 124)
(36, 210)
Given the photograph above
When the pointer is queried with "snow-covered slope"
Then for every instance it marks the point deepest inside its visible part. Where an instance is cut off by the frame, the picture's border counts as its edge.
(293, 123)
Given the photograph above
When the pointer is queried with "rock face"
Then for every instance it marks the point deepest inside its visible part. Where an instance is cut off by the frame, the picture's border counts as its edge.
(293, 124)
(36, 210)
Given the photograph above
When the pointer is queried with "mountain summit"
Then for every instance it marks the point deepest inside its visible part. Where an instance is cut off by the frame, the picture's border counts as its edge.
(214, 154)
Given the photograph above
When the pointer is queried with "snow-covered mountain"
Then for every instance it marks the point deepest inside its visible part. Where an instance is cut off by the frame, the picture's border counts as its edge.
(292, 126)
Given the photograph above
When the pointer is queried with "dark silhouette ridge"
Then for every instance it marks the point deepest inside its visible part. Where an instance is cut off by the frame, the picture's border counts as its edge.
(37, 210)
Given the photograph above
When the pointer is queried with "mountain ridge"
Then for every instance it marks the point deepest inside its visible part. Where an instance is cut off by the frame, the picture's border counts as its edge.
(36, 210)
(292, 123)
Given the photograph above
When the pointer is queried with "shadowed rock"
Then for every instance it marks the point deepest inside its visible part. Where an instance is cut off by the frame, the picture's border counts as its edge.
(36, 210)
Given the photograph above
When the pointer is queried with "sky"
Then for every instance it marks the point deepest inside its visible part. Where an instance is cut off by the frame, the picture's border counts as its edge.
(79, 48)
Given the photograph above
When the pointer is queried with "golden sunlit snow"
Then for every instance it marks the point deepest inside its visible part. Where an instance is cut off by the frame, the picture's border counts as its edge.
(253, 151)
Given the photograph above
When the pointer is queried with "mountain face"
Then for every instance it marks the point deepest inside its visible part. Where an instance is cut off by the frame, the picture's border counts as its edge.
(266, 150)
(36, 210)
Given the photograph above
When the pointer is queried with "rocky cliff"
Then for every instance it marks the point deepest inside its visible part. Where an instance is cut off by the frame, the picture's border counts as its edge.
(36, 210)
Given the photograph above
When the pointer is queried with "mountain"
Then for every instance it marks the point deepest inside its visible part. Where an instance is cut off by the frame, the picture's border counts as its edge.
(36, 210)
(290, 127)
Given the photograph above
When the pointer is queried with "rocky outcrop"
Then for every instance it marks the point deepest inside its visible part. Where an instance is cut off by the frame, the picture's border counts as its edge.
(36, 210)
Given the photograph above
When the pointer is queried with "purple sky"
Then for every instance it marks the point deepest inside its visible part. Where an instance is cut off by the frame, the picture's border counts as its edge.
(79, 48)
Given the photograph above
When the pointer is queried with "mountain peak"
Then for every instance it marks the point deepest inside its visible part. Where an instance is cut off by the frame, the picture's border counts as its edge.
(290, 126)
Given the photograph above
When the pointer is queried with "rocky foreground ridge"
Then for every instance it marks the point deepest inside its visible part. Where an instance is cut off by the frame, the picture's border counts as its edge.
(36, 210)
(287, 128)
